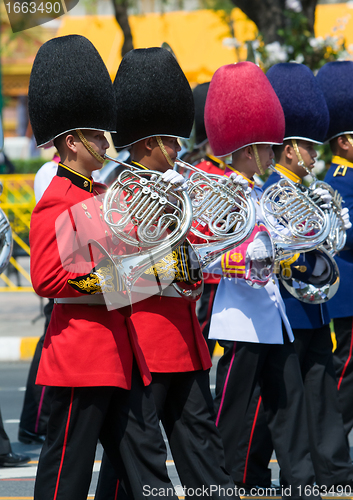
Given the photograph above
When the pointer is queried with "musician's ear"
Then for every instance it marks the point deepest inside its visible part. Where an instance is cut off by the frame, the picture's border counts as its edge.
(149, 143)
(288, 151)
(70, 142)
(343, 142)
(248, 152)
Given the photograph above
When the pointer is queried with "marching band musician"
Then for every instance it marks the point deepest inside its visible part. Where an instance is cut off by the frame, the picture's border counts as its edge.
(166, 324)
(243, 117)
(335, 81)
(212, 165)
(91, 355)
(307, 121)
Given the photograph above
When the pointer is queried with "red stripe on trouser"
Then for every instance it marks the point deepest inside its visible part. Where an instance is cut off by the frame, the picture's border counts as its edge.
(209, 308)
(225, 385)
(64, 445)
(116, 490)
(250, 440)
(39, 409)
(347, 362)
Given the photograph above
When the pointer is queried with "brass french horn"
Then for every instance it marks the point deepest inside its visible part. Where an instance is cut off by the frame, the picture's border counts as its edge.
(335, 241)
(295, 221)
(6, 241)
(227, 212)
(149, 215)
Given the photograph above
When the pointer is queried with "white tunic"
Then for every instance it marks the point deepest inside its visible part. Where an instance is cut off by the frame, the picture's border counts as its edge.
(244, 313)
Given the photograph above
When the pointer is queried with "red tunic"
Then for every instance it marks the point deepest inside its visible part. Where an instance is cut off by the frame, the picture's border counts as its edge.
(85, 345)
(169, 333)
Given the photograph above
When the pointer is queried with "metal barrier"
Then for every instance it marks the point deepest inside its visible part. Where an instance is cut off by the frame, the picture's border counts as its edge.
(18, 201)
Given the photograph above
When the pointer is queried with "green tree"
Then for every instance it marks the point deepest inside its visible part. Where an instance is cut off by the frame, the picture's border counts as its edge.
(121, 15)
(270, 15)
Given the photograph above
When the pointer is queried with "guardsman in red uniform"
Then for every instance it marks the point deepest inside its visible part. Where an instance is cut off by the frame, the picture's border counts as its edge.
(91, 355)
(167, 327)
(210, 165)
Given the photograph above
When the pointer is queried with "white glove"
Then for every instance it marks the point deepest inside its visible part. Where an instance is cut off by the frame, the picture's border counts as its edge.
(260, 248)
(176, 179)
(345, 216)
(325, 196)
(238, 180)
(320, 266)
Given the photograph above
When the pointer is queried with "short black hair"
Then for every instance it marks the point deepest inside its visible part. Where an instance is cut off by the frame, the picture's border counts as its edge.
(334, 145)
(58, 141)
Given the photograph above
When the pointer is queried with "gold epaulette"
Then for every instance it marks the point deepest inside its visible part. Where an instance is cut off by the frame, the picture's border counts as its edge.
(341, 171)
(286, 263)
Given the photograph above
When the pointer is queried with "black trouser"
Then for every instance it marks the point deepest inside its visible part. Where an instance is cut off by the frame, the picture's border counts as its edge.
(328, 444)
(124, 421)
(5, 446)
(36, 404)
(185, 407)
(276, 368)
(204, 313)
(343, 362)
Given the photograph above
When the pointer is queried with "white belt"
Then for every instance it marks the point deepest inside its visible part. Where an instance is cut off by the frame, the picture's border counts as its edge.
(90, 300)
(98, 300)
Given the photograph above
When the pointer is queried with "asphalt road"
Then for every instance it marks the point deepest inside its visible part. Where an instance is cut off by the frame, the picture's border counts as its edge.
(17, 483)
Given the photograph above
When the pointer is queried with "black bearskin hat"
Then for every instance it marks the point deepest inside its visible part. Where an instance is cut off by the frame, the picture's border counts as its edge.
(153, 97)
(200, 93)
(69, 88)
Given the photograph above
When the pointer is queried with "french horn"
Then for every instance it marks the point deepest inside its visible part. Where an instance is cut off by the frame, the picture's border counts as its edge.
(335, 241)
(227, 212)
(295, 221)
(5, 239)
(148, 215)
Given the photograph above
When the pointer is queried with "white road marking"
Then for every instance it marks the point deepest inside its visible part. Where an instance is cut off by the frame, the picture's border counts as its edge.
(30, 471)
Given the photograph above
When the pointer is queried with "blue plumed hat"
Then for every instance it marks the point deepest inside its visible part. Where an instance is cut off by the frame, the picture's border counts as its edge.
(302, 100)
(336, 82)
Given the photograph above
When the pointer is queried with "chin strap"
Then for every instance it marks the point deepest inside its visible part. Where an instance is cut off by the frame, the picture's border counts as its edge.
(89, 147)
(257, 159)
(300, 158)
(164, 151)
(349, 139)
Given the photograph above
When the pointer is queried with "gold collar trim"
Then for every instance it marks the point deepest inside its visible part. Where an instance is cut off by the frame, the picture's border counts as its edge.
(219, 162)
(137, 164)
(342, 161)
(288, 173)
(251, 182)
(76, 178)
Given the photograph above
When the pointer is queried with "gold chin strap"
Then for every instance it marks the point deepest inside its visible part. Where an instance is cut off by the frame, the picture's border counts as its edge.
(257, 159)
(89, 147)
(300, 158)
(349, 139)
(164, 151)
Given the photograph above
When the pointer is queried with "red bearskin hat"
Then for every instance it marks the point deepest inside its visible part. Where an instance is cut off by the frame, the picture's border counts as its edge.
(242, 109)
